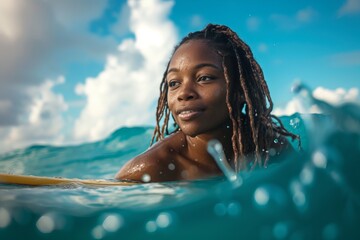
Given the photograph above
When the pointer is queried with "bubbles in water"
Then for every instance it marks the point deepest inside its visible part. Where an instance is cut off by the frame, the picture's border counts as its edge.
(150, 226)
(280, 230)
(98, 232)
(298, 195)
(276, 140)
(171, 166)
(163, 220)
(319, 159)
(261, 196)
(184, 174)
(146, 178)
(46, 223)
(5, 218)
(234, 208)
(336, 176)
(307, 175)
(113, 222)
(295, 122)
(272, 152)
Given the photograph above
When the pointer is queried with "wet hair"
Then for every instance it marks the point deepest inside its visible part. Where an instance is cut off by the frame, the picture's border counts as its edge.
(248, 99)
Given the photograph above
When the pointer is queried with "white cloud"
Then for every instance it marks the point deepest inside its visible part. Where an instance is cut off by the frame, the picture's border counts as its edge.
(289, 22)
(42, 122)
(253, 23)
(37, 37)
(126, 91)
(197, 21)
(263, 47)
(350, 7)
(351, 58)
(305, 15)
(334, 97)
(337, 96)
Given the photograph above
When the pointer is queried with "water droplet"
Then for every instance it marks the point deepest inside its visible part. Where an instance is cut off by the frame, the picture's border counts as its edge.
(171, 166)
(261, 196)
(307, 175)
(45, 224)
(218, 147)
(113, 222)
(295, 122)
(164, 220)
(151, 226)
(272, 152)
(298, 195)
(98, 232)
(5, 218)
(276, 140)
(146, 178)
(280, 230)
(184, 174)
(234, 208)
(220, 209)
(227, 126)
(319, 159)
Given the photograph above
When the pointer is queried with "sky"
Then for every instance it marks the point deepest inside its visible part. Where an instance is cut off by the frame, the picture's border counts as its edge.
(75, 71)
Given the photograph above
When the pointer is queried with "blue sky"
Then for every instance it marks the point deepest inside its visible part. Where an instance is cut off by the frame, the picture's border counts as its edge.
(74, 71)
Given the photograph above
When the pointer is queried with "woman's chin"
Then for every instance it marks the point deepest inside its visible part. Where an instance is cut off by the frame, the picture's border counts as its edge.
(191, 131)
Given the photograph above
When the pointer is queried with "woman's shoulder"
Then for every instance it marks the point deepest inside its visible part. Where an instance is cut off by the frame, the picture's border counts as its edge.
(155, 164)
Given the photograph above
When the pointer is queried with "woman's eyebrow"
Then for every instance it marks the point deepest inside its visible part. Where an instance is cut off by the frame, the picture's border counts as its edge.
(198, 66)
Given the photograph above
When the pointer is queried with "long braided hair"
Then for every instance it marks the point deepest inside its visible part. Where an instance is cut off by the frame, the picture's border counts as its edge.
(247, 98)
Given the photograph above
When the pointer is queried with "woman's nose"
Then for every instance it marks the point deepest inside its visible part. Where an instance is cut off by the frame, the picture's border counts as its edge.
(187, 92)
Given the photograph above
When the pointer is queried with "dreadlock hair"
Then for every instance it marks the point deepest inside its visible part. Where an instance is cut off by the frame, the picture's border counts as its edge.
(247, 97)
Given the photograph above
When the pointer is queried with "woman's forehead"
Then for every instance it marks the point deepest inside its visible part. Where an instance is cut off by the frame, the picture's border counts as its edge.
(195, 51)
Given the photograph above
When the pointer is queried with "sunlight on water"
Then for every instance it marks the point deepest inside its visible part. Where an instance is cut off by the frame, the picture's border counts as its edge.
(312, 195)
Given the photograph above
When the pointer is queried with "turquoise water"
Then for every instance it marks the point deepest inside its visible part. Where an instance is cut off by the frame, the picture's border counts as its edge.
(313, 195)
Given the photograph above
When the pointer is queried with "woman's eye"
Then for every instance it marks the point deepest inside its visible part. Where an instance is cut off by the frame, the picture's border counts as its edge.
(173, 84)
(205, 78)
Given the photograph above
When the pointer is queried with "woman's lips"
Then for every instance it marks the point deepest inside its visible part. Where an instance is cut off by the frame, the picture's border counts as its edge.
(188, 115)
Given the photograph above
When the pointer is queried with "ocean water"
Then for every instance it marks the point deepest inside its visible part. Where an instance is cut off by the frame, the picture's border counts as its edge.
(312, 195)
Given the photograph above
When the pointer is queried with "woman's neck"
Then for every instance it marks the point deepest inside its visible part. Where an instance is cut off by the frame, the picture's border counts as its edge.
(197, 146)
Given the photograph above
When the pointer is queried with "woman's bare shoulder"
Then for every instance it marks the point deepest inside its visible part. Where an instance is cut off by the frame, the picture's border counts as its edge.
(156, 164)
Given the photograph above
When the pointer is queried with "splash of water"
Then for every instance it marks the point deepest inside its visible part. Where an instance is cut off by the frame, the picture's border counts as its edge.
(346, 116)
(217, 152)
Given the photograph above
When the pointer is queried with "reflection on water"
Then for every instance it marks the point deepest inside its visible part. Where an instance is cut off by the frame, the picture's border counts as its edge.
(312, 195)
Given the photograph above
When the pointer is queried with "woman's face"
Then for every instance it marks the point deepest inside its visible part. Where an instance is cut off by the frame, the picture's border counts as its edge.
(197, 89)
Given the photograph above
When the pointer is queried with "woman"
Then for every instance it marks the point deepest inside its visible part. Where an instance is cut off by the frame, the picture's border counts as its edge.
(213, 89)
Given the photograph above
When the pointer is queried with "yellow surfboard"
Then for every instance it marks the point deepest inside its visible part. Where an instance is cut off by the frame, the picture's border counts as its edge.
(46, 181)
